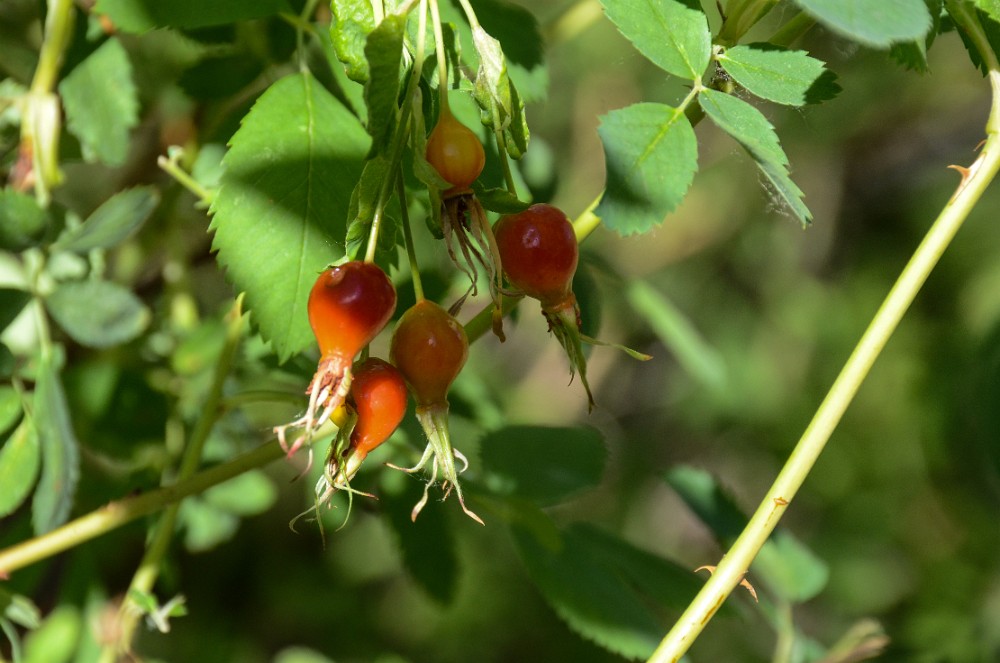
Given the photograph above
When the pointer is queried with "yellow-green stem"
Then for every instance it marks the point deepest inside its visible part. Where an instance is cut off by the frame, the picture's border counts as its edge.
(411, 254)
(737, 561)
(442, 60)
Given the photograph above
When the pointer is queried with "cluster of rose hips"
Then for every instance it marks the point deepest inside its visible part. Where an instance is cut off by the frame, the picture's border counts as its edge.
(536, 249)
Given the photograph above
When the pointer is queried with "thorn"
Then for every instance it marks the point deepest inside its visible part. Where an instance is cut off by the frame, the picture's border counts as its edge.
(743, 583)
(780, 501)
(963, 171)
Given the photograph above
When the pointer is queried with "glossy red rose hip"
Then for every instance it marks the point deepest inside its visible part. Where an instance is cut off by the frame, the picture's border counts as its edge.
(539, 253)
(429, 347)
(378, 392)
(348, 306)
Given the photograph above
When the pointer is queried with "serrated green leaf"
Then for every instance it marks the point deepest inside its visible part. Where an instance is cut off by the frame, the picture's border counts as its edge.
(668, 583)
(101, 103)
(60, 449)
(98, 314)
(353, 20)
(651, 155)
(589, 594)
(279, 216)
(990, 7)
(913, 55)
(384, 52)
(673, 34)
(877, 24)
(752, 130)
(22, 221)
(12, 302)
(786, 565)
(145, 15)
(112, 222)
(428, 549)
(20, 460)
(773, 73)
(248, 494)
(55, 640)
(543, 464)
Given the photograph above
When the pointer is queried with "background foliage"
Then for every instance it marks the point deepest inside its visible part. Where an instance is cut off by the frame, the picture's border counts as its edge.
(593, 522)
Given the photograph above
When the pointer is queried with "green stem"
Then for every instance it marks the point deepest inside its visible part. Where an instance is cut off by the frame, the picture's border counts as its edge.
(470, 15)
(41, 121)
(441, 59)
(411, 254)
(58, 30)
(737, 561)
(118, 513)
(171, 166)
(149, 569)
(399, 137)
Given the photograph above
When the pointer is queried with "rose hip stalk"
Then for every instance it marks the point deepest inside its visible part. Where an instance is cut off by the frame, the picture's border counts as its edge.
(540, 255)
(430, 348)
(348, 306)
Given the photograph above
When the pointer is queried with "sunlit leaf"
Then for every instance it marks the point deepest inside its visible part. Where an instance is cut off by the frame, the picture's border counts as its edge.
(775, 74)
(752, 130)
(353, 20)
(673, 34)
(383, 50)
(651, 154)
(279, 216)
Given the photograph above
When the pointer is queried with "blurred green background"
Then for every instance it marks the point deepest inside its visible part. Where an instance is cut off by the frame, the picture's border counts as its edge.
(754, 317)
